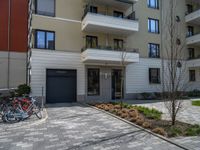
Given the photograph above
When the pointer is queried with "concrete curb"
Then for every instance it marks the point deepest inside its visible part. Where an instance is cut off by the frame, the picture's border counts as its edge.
(139, 127)
(38, 122)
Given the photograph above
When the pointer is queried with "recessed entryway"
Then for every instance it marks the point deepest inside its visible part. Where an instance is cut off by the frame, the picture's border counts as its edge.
(61, 86)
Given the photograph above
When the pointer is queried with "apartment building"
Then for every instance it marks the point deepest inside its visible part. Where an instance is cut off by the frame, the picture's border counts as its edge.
(13, 43)
(79, 49)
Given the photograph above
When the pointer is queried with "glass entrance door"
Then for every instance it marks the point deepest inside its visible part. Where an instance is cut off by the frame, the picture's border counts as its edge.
(116, 84)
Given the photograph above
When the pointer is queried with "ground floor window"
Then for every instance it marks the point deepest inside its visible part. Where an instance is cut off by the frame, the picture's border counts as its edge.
(192, 76)
(93, 82)
(154, 75)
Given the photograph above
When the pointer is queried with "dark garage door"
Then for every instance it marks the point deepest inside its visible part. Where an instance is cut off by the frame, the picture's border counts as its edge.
(61, 86)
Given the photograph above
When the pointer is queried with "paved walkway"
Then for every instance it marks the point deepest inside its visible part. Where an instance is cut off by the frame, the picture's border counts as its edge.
(74, 127)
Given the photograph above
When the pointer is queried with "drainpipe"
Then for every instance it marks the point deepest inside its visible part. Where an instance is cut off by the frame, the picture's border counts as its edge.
(9, 38)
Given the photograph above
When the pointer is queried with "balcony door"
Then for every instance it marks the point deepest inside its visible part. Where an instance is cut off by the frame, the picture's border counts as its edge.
(118, 44)
(91, 42)
(116, 84)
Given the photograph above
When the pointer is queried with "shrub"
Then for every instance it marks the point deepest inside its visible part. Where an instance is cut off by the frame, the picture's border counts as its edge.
(140, 121)
(117, 107)
(194, 93)
(193, 130)
(160, 131)
(146, 125)
(133, 114)
(146, 96)
(174, 131)
(124, 115)
(23, 90)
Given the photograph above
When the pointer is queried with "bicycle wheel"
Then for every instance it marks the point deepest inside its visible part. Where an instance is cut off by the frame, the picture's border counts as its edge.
(38, 112)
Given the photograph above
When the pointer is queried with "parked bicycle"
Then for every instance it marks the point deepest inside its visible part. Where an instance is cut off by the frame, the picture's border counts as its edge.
(20, 109)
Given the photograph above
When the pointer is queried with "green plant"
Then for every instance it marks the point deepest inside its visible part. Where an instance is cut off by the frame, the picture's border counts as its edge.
(194, 93)
(175, 131)
(23, 90)
(196, 103)
(149, 113)
(146, 95)
(194, 130)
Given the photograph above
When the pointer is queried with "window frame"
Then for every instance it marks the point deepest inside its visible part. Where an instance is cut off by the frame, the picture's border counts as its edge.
(156, 3)
(98, 92)
(151, 81)
(36, 9)
(91, 37)
(192, 78)
(157, 26)
(157, 50)
(93, 8)
(190, 8)
(190, 31)
(45, 40)
(191, 52)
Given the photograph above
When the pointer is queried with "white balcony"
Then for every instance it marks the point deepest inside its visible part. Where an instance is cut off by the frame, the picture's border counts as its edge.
(193, 63)
(193, 17)
(108, 57)
(195, 39)
(108, 24)
(120, 4)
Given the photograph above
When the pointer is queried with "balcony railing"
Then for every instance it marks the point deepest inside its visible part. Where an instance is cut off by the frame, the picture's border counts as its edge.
(110, 48)
(193, 39)
(131, 16)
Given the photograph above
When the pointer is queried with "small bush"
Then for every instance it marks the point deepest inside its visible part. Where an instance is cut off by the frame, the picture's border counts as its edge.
(174, 131)
(124, 115)
(160, 131)
(194, 93)
(193, 130)
(146, 125)
(140, 121)
(23, 90)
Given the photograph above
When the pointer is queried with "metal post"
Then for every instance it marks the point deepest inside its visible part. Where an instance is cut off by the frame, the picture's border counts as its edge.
(42, 97)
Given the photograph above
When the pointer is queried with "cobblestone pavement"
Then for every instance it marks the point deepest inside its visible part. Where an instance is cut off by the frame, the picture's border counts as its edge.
(74, 126)
(188, 113)
(192, 142)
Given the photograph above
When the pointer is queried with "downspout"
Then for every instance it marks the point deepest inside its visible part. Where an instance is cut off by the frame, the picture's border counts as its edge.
(9, 38)
(162, 49)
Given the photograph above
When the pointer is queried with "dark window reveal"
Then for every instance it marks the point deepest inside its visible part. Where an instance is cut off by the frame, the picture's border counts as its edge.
(154, 75)
(93, 82)
(154, 50)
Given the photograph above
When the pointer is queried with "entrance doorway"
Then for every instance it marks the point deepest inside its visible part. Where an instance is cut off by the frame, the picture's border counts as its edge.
(117, 91)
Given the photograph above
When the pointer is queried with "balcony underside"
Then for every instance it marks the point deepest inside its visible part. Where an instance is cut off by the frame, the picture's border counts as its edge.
(108, 24)
(193, 18)
(193, 40)
(108, 57)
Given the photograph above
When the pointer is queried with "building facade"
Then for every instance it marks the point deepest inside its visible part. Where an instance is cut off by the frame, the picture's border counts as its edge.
(82, 50)
(13, 43)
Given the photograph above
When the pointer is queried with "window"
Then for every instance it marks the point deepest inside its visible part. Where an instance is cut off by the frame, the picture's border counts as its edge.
(118, 44)
(45, 7)
(91, 41)
(154, 75)
(93, 82)
(153, 4)
(189, 8)
(191, 53)
(93, 9)
(153, 25)
(190, 31)
(154, 50)
(192, 75)
(118, 14)
(44, 39)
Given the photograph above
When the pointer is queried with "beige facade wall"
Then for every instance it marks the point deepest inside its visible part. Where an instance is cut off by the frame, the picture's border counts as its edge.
(17, 69)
